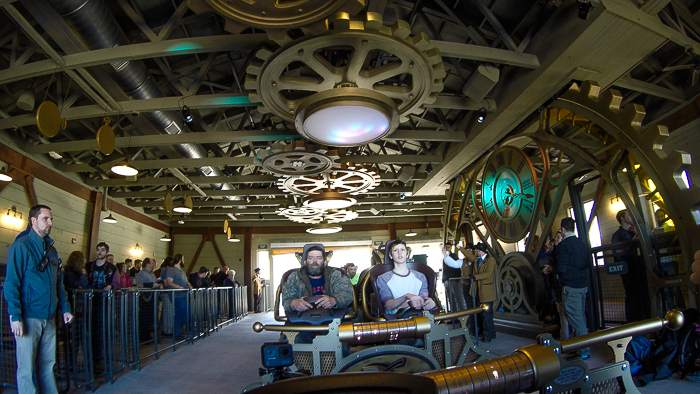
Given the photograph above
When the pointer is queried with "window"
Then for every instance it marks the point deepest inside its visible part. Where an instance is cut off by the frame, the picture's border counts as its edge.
(594, 236)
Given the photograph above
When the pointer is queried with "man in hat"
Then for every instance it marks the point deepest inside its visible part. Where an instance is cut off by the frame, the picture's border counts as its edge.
(482, 272)
(316, 278)
(465, 265)
(258, 283)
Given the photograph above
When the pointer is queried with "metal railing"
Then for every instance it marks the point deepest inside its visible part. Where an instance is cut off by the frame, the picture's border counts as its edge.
(116, 330)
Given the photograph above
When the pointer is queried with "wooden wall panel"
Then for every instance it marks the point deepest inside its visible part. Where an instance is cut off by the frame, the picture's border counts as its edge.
(123, 235)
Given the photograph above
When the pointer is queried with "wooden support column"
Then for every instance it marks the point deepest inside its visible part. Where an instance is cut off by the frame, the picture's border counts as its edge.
(392, 230)
(171, 248)
(196, 254)
(94, 225)
(216, 250)
(248, 264)
(31, 193)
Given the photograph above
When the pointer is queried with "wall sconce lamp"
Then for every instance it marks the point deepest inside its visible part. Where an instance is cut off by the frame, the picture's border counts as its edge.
(137, 250)
(616, 204)
(14, 219)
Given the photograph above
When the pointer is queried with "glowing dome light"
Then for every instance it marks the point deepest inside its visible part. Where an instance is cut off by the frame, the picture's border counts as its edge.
(346, 116)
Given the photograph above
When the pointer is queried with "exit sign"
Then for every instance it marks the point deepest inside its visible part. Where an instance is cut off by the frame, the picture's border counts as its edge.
(262, 246)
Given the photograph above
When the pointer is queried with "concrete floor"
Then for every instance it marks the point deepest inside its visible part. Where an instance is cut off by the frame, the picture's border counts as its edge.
(228, 361)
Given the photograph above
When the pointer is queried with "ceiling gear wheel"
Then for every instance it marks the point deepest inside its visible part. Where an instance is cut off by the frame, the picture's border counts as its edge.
(645, 143)
(300, 214)
(274, 16)
(315, 216)
(297, 159)
(411, 75)
(349, 179)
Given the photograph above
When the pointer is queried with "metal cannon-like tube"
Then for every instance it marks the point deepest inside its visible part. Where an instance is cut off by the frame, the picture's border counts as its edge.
(673, 320)
(523, 371)
(467, 312)
(361, 333)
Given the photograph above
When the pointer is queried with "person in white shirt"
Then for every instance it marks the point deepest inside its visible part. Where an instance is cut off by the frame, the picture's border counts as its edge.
(401, 286)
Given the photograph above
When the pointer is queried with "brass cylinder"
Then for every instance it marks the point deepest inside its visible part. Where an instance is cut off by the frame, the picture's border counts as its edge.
(362, 333)
(514, 373)
(259, 327)
(673, 319)
(463, 313)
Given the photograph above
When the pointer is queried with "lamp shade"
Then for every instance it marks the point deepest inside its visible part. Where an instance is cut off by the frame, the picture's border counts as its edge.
(124, 169)
(4, 176)
(234, 239)
(109, 219)
(346, 116)
(182, 208)
(324, 228)
(165, 238)
(329, 200)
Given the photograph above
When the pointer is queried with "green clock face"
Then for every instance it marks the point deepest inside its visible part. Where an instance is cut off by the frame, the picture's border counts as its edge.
(508, 194)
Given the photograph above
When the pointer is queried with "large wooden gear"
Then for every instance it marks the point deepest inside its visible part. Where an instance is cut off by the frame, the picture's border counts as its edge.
(280, 77)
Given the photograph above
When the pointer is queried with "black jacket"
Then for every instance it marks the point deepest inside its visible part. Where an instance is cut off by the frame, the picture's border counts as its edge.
(572, 263)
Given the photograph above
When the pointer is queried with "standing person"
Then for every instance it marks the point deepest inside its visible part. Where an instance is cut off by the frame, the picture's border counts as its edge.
(167, 304)
(198, 279)
(351, 270)
(176, 279)
(137, 267)
(213, 275)
(453, 288)
(258, 283)
(483, 273)
(100, 274)
(121, 278)
(466, 266)
(637, 306)
(402, 287)
(555, 285)
(231, 281)
(572, 267)
(74, 277)
(101, 271)
(221, 276)
(147, 304)
(34, 273)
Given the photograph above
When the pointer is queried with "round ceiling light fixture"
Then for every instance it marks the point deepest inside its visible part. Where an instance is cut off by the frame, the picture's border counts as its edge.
(165, 238)
(329, 200)
(109, 219)
(124, 169)
(346, 116)
(234, 239)
(324, 228)
(411, 233)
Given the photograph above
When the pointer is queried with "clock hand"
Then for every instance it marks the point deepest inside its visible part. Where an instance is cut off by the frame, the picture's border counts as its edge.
(522, 195)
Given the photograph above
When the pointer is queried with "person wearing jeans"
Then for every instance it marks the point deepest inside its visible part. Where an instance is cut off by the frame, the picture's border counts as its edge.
(572, 267)
(34, 293)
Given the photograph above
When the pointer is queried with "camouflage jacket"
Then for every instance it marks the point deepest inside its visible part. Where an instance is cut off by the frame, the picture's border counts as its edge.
(335, 285)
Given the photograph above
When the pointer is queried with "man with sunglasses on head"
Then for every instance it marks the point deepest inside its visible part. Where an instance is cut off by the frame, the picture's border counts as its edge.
(34, 291)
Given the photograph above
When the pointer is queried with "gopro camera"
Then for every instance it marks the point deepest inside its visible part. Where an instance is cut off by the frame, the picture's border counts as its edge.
(277, 354)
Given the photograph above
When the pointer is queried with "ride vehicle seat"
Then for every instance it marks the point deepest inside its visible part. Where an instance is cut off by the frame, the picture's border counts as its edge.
(371, 285)
(314, 316)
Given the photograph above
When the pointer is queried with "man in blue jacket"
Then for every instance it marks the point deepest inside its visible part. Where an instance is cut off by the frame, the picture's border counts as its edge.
(33, 291)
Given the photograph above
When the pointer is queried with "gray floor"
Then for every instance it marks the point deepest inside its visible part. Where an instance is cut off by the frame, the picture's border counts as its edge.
(228, 361)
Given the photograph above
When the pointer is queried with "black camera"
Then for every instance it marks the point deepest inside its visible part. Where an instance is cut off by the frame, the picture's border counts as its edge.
(277, 354)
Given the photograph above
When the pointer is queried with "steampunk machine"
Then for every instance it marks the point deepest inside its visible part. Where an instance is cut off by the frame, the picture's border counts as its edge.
(543, 366)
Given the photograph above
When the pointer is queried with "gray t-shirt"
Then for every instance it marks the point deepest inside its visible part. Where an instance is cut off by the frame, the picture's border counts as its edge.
(144, 276)
(179, 278)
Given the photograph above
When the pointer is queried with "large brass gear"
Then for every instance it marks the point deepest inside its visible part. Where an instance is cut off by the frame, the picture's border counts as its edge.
(297, 159)
(274, 16)
(349, 179)
(645, 143)
(280, 78)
